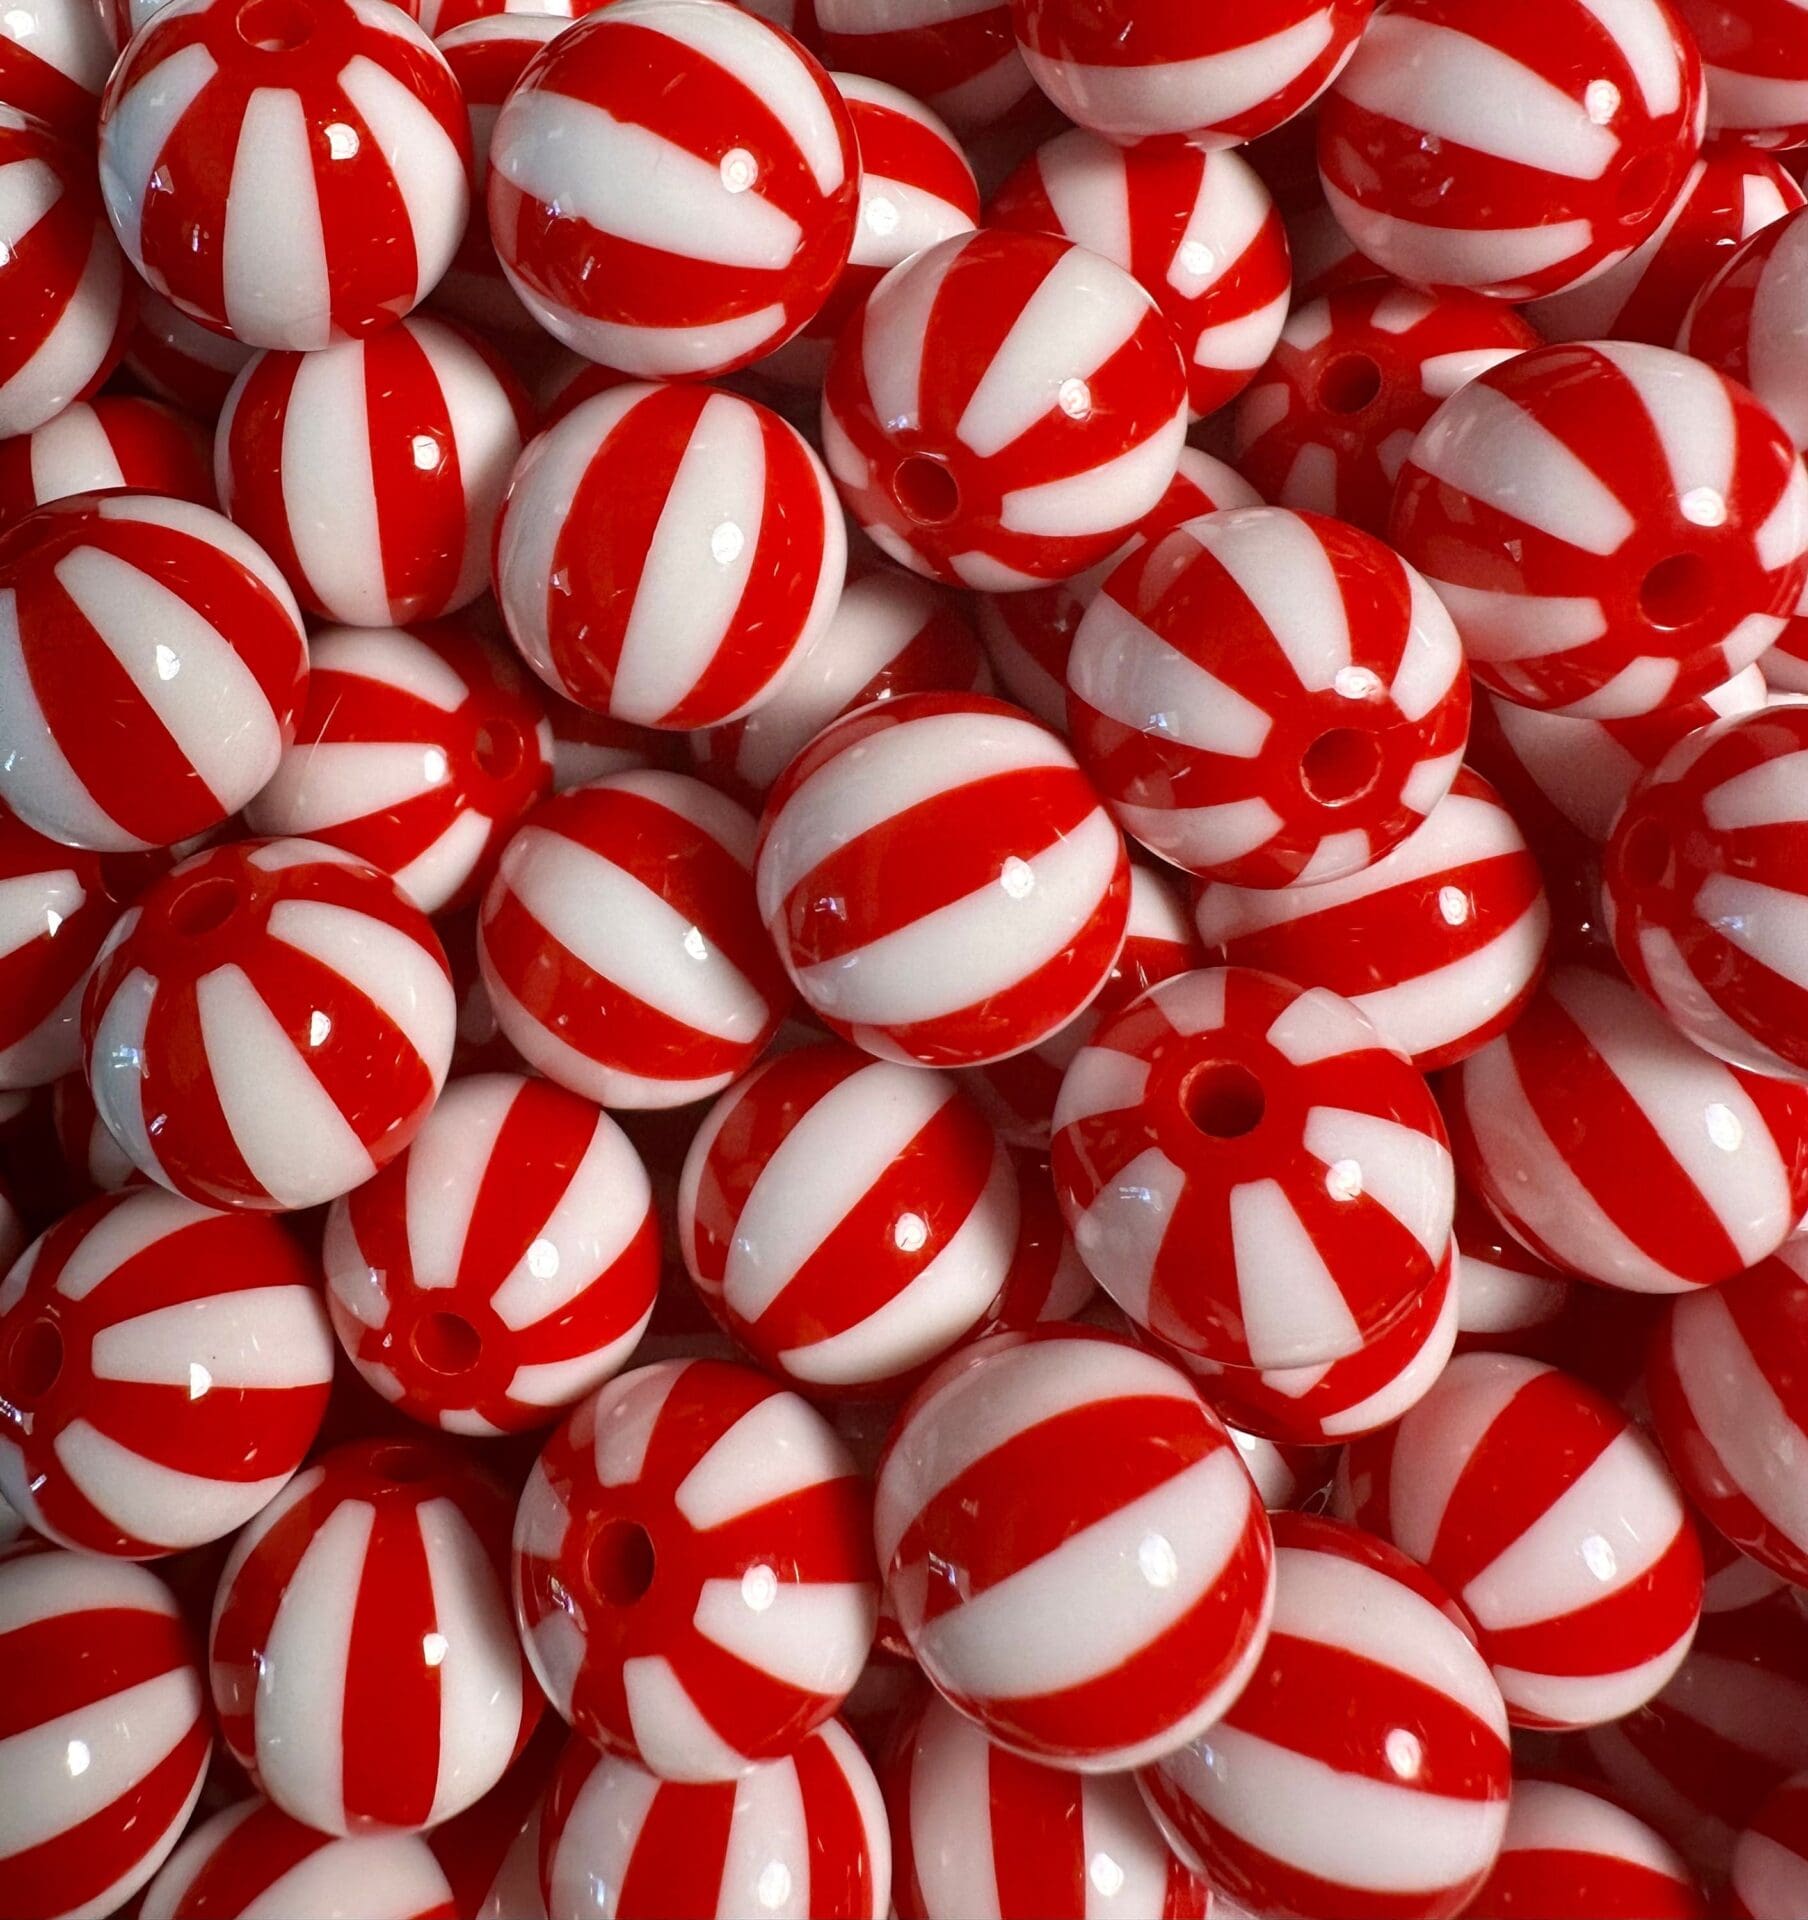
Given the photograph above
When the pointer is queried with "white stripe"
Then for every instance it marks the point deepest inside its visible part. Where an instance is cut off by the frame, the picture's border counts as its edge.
(390, 656)
(249, 1338)
(132, 150)
(1202, 836)
(1119, 492)
(1294, 1313)
(770, 1826)
(892, 335)
(116, 1072)
(329, 490)
(1088, 187)
(778, 1448)
(329, 782)
(273, 261)
(1406, 1171)
(949, 1794)
(1121, 1234)
(1774, 793)
(1691, 410)
(1580, 1700)
(1281, 567)
(809, 1635)
(1645, 37)
(170, 1509)
(1458, 256)
(72, 453)
(447, 1163)
(626, 1418)
(1508, 626)
(1765, 922)
(673, 1736)
(396, 1874)
(1439, 1438)
(1126, 671)
(428, 170)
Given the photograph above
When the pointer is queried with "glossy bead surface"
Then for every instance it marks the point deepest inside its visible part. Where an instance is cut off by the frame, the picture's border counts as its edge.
(1004, 410)
(941, 881)
(1034, 1468)
(268, 1026)
(693, 1570)
(1741, 321)
(1755, 63)
(1769, 1877)
(181, 361)
(963, 66)
(116, 440)
(94, 1158)
(1539, 1505)
(54, 59)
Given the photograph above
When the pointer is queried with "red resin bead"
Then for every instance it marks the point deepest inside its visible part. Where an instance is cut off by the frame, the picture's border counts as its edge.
(95, 446)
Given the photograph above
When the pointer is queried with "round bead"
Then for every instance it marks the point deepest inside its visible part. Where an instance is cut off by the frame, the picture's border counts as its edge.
(364, 1668)
(1508, 1300)
(159, 663)
(55, 56)
(163, 1369)
(1016, 882)
(102, 1685)
(318, 229)
(693, 1570)
(1514, 153)
(181, 361)
(848, 1220)
(1755, 59)
(673, 190)
(117, 440)
(667, 555)
(1074, 1550)
(1004, 410)
(1616, 1150)
(268, 1026)
(1311, 699)
(978, 1829)
(1549, 1515)
(805, 1834)
(621, 946)
(1769, 1879)
(1739, 321)
(418, 751)
(964, 66)
(503, 1266)
(1196, 229)
(372, 471)
(1251, 1172)
(1614, 527)
(1218, 75)
(1440, 943)
(1390, 1808)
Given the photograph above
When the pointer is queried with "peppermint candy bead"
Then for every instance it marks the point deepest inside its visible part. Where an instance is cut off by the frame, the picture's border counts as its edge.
(672, 193)
(1019, 908)
(305, 236)
(1769, 1877)
(668, 555)
(54, 59)
(1060, 1462)
(176, 627)
(621, 945)
(106, 1737)
(363, 1664)
(693, 1570)
(268, 1026)
(418, 751)
(1739, 321)
(1755, 64)
(94, 446)
(1004, 410)
(963, 66)
(1550, 1517)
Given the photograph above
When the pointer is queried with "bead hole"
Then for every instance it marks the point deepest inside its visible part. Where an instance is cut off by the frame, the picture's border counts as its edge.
(275, 26)
(402, 1465)
(926, 490)
(499, 749)
(1351, 382)
(1223, 1100)
(1340, 766)
(446, 1343)
(620, 1562)
(204, 907)
(1676, 590)
(1645, 854)
(34, 1362)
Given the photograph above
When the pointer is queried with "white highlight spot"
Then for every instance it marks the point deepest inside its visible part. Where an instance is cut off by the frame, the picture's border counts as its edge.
(1075, 397)
(200, 1381)
(169, 662)
(77, 1759)
(543, 1259)
(433, 1648)
(695, 945)
(1356, 683)
(426, 453)
(1404, 1753)
(1725, 1128)
(1018, 878)
(320, 1028)
(1601, 101)
(759, 1588)
(726, 544)
(1197, 259)
(342, 142)
(1704, 507)
(773, 1888)
(882, 216)
(1343, 1180)
(1453, 905)
(911, 1233)
(1106, 1875)
(1159, 1563)
(739, 170)
(1599, 1558)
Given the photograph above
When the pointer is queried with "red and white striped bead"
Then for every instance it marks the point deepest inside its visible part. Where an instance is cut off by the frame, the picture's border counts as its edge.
(175, 625)
(372, 471)
(116, 440)
(416, 750)
(1755, 63)
(163, 1369)
(268, 1026)
(848, 1219)
(667, 555)
(1614, 1149)
(1251, 1172)
(55, 56)
(1391, 1806)
(673, 191)
(621, 945)
(1769, 1877)
(801, 1835)
(979, 1830)
(181, 361)
(232, 199)
(364, 1667)
(1742, 322)
(1073, 1548)
(964, 65)
(1614, 527)
(1004, 410)
(105, 1740)
(1550, 1516)
(693, 1570)
(1196, 229)
(1440, 942)
(1020, 881)
(1508, 1300)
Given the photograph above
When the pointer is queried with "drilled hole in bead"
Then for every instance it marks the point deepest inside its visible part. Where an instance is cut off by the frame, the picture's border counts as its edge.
(402, 1465)
(34, 1362)
(620, 1562)
(446, 1343)
(1645, 854)
(1340, 766)
(1676, 591)
(1351, 382)
(204, 906)
(499, 749)
(1223, 1100)
(926, 490)
(275, 26)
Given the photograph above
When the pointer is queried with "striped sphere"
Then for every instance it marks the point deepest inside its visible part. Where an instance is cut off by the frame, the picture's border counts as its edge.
(173, 628)
(1004, 410)
(1196, 230)
(163, 1370)
(54, 59)
(965, 66)
(1755, 59)
(668, 555)
(805, 1834)
(94, 446)
(978, 1830)
(372, 471)
(418, 750)
(673, 190)
(621, 946)
(1392, 1806)
(1548, 1514)
(1251, 1172)
(693, 1570)
(364, 1668)
(1268, 698)
(1612, 1148)
(181, 361)
(846, 1218)
(1614, 527)
(105, 1737)
(231, 205)
(1440, 942)
(1015, 882)
(1739, 321)
(1508, 1300)
(1769, 1877)
(1073, 1548)
(268, 1026)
